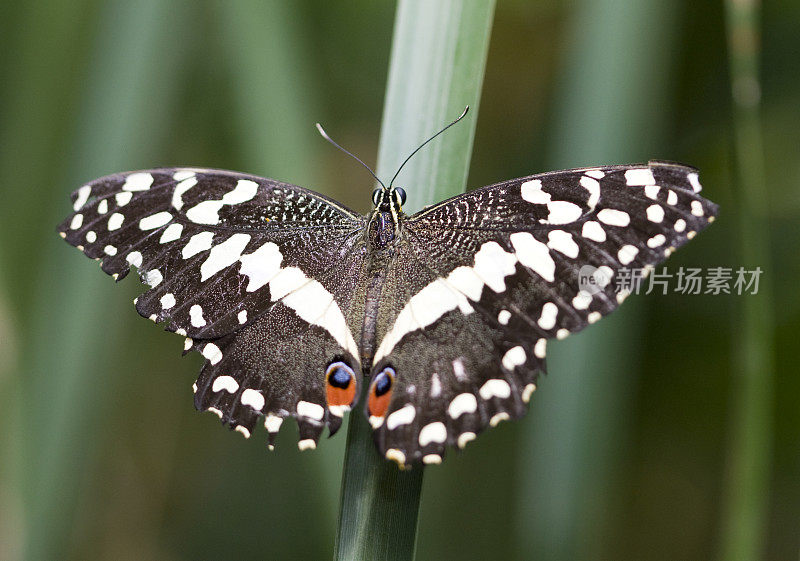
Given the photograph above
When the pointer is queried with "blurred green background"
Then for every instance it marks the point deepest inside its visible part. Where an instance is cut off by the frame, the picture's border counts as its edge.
(633, 447)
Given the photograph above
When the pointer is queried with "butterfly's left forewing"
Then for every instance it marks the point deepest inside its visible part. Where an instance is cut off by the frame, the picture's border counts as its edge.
(493, 274)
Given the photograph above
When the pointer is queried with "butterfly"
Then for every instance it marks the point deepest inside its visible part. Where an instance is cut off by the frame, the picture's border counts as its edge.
(297, 302)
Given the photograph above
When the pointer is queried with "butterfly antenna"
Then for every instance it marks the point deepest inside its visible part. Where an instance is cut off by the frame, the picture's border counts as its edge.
(356, 158)
(464, 114)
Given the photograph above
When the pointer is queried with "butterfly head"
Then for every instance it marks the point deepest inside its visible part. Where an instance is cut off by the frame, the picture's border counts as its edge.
(389, 200)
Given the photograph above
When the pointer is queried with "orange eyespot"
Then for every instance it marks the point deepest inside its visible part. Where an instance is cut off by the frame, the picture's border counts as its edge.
(341, 384)
(380, 392)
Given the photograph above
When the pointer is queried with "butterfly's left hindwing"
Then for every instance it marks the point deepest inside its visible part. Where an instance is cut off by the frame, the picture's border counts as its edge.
(258, 274)
(489, 276)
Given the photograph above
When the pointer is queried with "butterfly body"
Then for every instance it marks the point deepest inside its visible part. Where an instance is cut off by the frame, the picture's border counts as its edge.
(295, 301)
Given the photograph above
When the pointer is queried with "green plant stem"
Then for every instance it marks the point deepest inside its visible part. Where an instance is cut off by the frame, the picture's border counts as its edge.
(750, 443)
(437, 63)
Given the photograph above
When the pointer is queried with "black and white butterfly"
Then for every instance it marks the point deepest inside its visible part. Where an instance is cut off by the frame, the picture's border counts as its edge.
(296, 301)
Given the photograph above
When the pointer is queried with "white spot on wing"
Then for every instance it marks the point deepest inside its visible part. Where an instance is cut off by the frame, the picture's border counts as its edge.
(138, 182)
(614, 217)
(593, 186)
(694, 181)
(461, 404)
(582, 300)
(242, 317)
(83, 196)
(495, 387)
(459, 370)
(396, 456)
(155, 221)
(680, 225)
(134, 258)
(532, 192)
(310, 410)
(77, 222)
(503, 317)
(253, 398)
(562, 241)
(171, 233)
(436, 385)
(153, 278)
(514, 357)
(306, 444)
(493, 264)
(273, 423)
(655, 213)
(226, 383)
(123, 198)
(433, 432)
(563, 212)
(627, 253)
(533, 254)
(540, 348)
(167, 301)
(593, 231)
(672, 198)
(223, 255)
(464, 438)
(207, 212)
(466, 281)
(548, 318)
(102, 206)
(639, 176)
(115, 221)
(496, 419)
(403, 416)
(212, 353)
(196, 244)
(261, 265)
(181, 188)
(527, 392)
(196, 316)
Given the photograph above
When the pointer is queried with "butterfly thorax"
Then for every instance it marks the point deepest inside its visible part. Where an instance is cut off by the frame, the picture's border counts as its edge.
(383, 232)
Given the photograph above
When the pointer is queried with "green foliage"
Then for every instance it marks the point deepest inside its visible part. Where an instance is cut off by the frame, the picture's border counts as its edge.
(634, 448)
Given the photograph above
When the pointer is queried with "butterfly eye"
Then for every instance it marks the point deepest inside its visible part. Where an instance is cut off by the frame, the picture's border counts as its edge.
(376, 197)
(341, 385)
(400, 195)
(381, 392)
